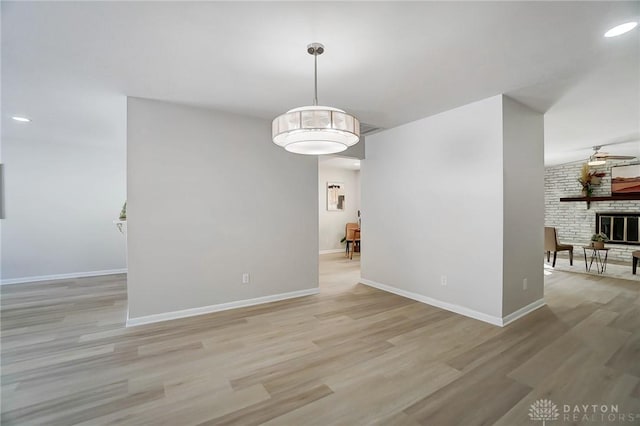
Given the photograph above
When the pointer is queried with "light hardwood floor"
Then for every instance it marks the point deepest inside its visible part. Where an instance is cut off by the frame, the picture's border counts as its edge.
(351, 355)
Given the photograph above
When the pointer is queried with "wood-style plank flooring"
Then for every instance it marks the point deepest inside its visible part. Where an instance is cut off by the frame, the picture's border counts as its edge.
(351, 355)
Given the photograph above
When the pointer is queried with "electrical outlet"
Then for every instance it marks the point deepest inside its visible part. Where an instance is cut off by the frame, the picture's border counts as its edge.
(443, 280)
(525, 284)
(245, 278)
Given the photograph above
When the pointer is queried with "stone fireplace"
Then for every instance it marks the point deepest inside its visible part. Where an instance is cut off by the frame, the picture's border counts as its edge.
(576, 222)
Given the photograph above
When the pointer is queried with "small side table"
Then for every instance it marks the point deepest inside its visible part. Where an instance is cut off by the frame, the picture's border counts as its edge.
(601, 262)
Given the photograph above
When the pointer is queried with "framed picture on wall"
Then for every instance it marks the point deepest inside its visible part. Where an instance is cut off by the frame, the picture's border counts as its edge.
(335, 196)
(625, 179)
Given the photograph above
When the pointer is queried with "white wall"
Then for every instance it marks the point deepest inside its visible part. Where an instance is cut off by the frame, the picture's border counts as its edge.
(211, 197)
(332, 223)
(523, 160)
(63, 191)
(432, 203)
(442, 197)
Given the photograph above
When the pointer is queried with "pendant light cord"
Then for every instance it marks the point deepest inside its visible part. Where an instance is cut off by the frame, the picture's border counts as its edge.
(315, 79)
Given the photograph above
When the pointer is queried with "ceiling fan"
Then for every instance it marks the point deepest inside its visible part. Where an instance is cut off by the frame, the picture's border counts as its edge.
(599, 158)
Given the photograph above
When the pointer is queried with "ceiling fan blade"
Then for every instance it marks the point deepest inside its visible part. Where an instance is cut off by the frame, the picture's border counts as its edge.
(620, 157)
(606, 155)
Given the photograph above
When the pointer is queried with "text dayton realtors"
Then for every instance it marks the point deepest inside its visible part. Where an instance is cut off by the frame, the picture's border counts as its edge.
(596, 413)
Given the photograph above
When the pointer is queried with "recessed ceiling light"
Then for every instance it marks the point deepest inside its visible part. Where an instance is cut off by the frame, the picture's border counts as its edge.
(21, 119)
(621, 29)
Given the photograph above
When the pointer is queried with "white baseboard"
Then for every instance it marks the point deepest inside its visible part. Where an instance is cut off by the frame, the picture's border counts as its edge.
(332, 251)
(62, 276)
(457, 308)
(220, 307)
(508, 319)
(434, 302)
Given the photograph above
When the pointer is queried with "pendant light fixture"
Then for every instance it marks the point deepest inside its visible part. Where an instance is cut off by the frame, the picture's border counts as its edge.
(315, 130)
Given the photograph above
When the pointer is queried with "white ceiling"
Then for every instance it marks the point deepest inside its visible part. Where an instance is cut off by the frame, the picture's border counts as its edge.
(69, 65)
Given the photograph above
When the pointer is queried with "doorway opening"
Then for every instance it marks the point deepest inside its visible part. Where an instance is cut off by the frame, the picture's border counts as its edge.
(339, 219)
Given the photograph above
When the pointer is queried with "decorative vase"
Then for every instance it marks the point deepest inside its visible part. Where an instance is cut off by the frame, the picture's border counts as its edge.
(598, 245)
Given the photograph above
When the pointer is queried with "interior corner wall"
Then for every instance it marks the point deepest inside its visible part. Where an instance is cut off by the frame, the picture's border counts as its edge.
(432, 202)
(210, 198)
(332, 223)
(523, 234)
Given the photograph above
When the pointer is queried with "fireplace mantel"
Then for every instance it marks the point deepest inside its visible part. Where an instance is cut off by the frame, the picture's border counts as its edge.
(616, 197)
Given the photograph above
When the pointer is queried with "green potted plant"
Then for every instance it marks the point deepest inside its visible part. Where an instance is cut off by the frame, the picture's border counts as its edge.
(123, 212)
(598, 240)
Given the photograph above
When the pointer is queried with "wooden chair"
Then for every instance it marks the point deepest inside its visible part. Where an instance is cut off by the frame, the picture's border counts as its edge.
(636, 258)
(355, 240)
(551, 244)
(348, 232)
